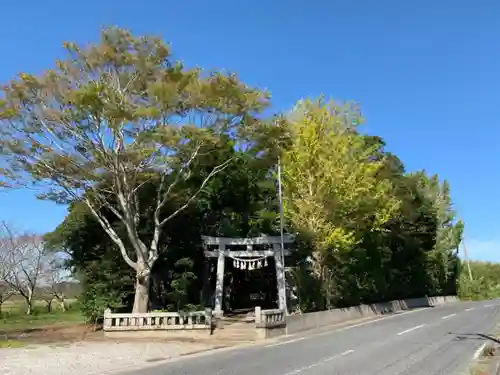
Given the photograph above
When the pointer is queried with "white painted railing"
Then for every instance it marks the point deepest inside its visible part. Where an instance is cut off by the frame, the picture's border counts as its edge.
(158, 321)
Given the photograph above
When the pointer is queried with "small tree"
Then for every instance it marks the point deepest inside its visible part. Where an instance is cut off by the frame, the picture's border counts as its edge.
(6, 291)
(54, 281)
(24, 253)
(114, 116)
(182, 279)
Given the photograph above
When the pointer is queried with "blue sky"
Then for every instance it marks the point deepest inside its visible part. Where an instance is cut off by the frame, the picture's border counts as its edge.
(427, 74)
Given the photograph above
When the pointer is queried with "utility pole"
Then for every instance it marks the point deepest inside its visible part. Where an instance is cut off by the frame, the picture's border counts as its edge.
(281, 229)
(467, 259)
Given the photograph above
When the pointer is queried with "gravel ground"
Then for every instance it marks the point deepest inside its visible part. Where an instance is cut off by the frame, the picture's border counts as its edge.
(86, 358)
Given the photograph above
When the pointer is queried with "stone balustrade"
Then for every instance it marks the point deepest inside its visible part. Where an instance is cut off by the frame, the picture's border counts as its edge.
(167, 321)
(269, 318)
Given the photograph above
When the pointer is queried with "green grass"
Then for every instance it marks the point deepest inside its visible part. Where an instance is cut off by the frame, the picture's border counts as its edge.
(14, 318)
(11, 344)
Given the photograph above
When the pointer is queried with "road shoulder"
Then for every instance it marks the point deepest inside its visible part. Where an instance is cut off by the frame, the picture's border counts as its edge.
(486, 359)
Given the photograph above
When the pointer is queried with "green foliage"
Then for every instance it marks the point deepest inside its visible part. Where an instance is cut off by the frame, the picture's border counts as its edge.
(485, 283)
(333, 192)
(307, 289)
(102, 291)
(181, 281)
(475, 289)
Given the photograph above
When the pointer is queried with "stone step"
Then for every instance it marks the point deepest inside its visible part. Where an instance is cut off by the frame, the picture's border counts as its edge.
(236, 324)
(247, 336)
(236, 330)
(224, 324)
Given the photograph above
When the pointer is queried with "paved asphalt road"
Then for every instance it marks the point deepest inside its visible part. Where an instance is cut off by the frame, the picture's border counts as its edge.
(440, 340)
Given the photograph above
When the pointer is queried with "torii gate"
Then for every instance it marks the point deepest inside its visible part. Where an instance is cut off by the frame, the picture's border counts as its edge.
(249, 258)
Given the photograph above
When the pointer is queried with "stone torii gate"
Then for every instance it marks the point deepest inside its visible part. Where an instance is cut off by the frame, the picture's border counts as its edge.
(220, 248)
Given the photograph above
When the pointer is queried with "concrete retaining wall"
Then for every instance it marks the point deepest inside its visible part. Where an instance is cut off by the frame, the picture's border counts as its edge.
(303, 322)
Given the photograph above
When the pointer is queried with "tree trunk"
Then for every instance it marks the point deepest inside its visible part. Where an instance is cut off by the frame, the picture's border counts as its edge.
(29, 301)
(141, 299)
(29, 307)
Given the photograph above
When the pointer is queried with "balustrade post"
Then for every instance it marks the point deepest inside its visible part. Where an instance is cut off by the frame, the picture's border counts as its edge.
(108, 321)
(258, 315)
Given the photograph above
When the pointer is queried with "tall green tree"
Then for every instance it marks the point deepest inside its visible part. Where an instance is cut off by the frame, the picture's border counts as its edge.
(124, 111)
(331, 184)
(333, 192)
(443, 259)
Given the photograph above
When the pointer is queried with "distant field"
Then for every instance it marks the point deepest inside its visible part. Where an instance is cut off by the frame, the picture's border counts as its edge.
(14, 318)
(18, 303)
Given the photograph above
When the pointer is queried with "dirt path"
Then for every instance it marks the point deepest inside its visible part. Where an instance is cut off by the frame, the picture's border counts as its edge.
(90, 357)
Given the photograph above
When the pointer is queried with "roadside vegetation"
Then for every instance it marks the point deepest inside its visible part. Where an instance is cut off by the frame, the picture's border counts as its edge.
(487, 359)
(17, 328)
(15, 319)
(484, 283)
(114, 131)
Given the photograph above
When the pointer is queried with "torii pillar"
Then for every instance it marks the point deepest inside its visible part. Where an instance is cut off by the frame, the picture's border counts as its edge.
(224, 244)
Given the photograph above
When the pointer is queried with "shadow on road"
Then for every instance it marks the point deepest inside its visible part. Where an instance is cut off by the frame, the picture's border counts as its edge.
(474, 336)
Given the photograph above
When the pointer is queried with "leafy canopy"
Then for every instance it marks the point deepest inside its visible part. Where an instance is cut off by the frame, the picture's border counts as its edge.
(119, 109)
(112, 117)
(331, 176)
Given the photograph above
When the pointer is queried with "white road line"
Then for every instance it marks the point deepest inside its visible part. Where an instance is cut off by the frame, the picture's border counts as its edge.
(448, 316)
(470, 309)
(353, 326)
(337, 356)
(284, 342)
(328, 330)
(324, 360)
(488, 305)
(411, 329)
(332, 329)
(478, 352)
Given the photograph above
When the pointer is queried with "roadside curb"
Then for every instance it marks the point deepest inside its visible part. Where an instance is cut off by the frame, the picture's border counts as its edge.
(478, 351)
(190, 354)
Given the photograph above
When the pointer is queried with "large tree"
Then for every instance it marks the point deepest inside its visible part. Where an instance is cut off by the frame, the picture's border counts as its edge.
(239, 201)
(114, 116)
(331, 184)
(443, 259)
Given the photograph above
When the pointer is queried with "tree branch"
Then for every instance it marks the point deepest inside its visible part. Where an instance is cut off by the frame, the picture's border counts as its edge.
(214, 171)
(111, 233)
